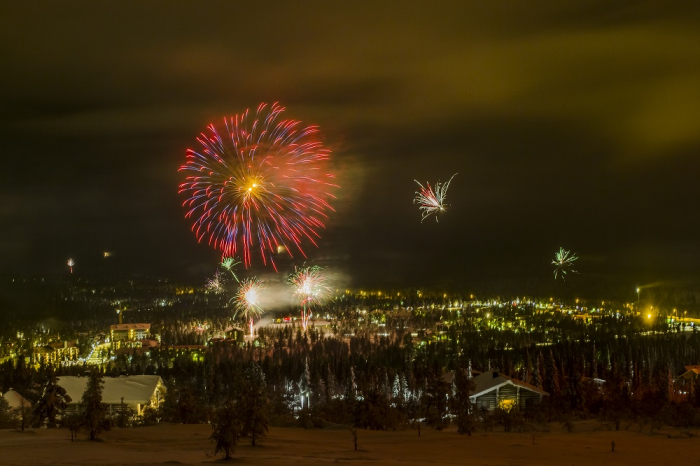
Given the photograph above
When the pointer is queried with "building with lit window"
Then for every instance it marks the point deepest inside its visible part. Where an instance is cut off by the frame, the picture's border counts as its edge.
(495, 390)
(58, 352)
(129, 332)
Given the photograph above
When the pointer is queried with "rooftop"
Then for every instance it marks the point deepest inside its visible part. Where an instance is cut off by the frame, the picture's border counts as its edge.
(491, 379)
(132, 389)
(15, 400)
(130, 327)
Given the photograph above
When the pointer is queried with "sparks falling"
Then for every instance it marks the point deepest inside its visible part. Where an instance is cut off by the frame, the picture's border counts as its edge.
(230, 263)
(216, 284)
(432, 201)
(563, 261)
(248, 301)
(310, 286)
(257, 184)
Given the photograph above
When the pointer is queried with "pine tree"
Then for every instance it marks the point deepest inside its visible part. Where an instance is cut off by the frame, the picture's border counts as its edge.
(352, 385)
(189, 405)
(322, 391)
(435, 399)
(94, 410)
(396, 389)
(551, 382)
(385, 385)
(594, 374)
(169, 404)
(537, 374)
(615, 398)
(74, 422)
(527, 378)
(5, 414)
(695, 399)
(255, 404)
(461, 404)
(305, 385)
(331, 385)
(226, 428)
(53, 401)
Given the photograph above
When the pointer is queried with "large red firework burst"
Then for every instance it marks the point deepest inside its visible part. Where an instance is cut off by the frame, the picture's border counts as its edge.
(257, 184)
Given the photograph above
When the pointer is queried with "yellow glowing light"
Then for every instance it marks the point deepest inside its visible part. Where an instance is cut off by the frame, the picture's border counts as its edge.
(648, 316)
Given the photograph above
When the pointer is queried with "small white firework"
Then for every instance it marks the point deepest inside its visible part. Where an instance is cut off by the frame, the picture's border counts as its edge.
(432, 201)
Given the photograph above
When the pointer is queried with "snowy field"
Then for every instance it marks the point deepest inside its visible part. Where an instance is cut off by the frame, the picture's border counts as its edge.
(189, 444)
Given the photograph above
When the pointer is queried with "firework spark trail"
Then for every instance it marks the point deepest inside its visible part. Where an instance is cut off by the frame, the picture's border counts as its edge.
(71, 263)
(216, 284)
(563, 261)
(310, 286)
(248, 301)
(260, 186)
(432, 201)
(230, 263)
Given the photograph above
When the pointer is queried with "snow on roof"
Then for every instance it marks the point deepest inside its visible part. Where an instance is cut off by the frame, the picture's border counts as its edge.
(15, 400)
(491, 379)
(130, 327)
(135, 389)
(62, 344)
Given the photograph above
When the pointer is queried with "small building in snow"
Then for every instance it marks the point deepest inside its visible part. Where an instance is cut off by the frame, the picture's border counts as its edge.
(495, 390)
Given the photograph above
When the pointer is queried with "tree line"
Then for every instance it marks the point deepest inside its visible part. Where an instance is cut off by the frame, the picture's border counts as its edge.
(292, 378)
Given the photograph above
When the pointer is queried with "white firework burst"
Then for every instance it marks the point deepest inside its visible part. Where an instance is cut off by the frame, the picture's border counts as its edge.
(432, 201)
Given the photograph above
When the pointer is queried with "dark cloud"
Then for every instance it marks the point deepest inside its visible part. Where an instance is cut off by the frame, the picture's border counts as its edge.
(569, 123)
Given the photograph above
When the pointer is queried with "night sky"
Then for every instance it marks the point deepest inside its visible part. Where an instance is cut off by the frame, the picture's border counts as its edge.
(573, 124)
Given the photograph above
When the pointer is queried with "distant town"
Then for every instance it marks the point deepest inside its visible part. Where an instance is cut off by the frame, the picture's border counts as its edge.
(369, 358)
(102, 323)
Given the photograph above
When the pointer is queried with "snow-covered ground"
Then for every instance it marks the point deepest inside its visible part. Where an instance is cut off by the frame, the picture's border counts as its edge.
(189, 444)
